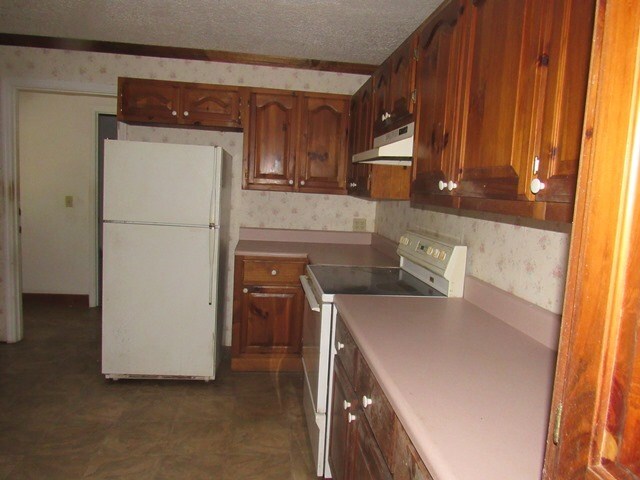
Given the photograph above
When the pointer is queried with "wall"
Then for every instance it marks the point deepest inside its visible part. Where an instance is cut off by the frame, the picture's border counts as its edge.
(57, 154)
(525, 257)
(251, 209)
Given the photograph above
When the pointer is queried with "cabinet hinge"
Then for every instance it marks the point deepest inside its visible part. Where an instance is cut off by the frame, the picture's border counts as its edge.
(556, 426)
(544, 60)
(413, 97)
(536, 164)
(415, 54)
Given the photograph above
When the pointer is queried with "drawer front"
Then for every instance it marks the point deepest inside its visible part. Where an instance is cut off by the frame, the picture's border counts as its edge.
(346, 350)
(376, 408)
(272, 272)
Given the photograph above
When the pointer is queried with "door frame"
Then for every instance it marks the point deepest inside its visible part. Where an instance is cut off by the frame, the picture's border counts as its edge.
(9, 217)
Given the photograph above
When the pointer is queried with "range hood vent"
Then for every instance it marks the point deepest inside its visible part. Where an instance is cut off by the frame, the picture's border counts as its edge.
(392, 148)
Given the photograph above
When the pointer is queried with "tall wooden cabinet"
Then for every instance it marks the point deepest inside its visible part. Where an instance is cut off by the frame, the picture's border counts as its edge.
(268, 303)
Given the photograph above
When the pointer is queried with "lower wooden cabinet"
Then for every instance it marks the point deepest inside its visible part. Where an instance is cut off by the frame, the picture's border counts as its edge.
(368, 440)
(267, 314)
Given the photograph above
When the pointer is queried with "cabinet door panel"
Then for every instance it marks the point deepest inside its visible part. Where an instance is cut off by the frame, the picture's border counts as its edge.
(270, 323)
(402, 80)
(381, 97)
(209, 106)
(360, 139)
(343, 403)
(437, 85)
(148, 101)
(270, 146)
(407, 464)
(367, 461)
(322, 153)
(570, 51)
(498, 109)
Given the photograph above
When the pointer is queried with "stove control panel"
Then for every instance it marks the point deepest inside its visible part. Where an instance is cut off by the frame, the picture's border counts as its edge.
(438, 255)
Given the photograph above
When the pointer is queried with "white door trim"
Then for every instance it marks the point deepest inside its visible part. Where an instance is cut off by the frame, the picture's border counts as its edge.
(10, 251)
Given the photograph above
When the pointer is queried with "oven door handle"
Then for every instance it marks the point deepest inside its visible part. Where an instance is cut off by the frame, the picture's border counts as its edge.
(308, 292)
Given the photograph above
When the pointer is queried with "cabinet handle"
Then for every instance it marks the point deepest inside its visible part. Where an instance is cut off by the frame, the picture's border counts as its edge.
(174, 113)
(353, 185)
(366, 401)
(186, 113)
(339, 346)
(245, 290)
(301, 182)
(451, 185)
(442, 185)
(274, 272)
(537, 185)
(346, 405)
(351, 417)
(290, 182)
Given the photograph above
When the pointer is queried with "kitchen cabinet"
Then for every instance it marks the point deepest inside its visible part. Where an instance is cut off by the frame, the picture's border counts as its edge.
(393, 89)
(295, 141)
(438, 89)
(267, 313)
(180, 104)
(367, 439)
(375, 182)
(270, 140)
(323, 143)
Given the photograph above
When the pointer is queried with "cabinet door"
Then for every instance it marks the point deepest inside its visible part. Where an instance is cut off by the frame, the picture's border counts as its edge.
(270, 140)
(367, 462)
(381, 108)
(210, 106)
(407, 464)
(270, 320)
(148, 101)
(341, 440)
(438, 86)
(569, 56)
(322, 153)
(402, 81)
(360, 139)
(504, 70)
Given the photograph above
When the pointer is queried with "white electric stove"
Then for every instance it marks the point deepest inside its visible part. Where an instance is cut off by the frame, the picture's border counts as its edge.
(430, 266)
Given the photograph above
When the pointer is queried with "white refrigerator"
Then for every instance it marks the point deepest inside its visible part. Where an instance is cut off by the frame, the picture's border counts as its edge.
(161, 247)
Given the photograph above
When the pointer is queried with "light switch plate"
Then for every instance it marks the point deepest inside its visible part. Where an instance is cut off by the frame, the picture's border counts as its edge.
(68, 201)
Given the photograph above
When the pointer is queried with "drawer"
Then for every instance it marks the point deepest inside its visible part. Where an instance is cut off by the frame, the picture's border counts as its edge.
(272, 271)
(376, 407)
(346, 350)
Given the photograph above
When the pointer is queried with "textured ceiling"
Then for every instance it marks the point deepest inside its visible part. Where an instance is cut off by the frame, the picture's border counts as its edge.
(359, 31)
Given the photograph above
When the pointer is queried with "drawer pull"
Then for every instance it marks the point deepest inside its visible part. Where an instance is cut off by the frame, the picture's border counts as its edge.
(351, 417)
(366, 401)
(346, 405)
(274, 272)
(339, 346)
(245, 290)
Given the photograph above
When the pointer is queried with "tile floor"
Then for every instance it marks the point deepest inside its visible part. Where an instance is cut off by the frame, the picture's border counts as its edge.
(60, 419)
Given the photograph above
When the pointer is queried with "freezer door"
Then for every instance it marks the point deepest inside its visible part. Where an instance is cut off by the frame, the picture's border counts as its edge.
(161, 183)
(159, 301)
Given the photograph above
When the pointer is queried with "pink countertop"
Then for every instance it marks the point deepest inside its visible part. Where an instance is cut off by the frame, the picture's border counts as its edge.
(472, 392)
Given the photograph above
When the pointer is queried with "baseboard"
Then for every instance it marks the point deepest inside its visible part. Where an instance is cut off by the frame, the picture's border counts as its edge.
(69, 300)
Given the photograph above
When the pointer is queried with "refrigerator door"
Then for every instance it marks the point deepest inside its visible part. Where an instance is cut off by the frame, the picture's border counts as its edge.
(159, 304)
(161, 183)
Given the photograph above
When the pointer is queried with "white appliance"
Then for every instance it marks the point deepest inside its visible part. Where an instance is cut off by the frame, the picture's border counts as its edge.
(392, 148)
(161, 259)
(430, 266)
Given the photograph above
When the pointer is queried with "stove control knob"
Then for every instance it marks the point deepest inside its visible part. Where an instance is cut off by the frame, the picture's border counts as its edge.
(436, 253)
(346, 405)
(404, 240)
(366, 401)
(339, 346)
(429, 250)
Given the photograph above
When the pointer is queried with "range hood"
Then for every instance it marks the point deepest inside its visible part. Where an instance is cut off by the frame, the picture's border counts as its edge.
(392, 148)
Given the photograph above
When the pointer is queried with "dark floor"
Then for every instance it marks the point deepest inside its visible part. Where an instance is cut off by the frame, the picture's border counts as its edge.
(60, 419)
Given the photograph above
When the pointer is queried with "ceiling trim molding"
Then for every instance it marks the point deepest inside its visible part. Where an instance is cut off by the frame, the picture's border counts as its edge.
(181, 53)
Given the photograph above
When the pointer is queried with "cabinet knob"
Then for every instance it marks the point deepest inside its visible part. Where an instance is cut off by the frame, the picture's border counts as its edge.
(537, 185)
(274, 272)
(366, 401)
(245, 290)
(301, 182)
(346, 405)
(339, 346)
(442, 185)
(186, 113)
(351, 417)
(451, 185)
(290, 182)
(174, 113)
(353, 185)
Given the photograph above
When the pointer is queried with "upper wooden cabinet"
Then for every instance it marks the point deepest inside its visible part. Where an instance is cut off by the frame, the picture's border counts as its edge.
(438, 88)
(295, 141)
(393, 88)
(178, 103)
(323, 143)
(271, 131)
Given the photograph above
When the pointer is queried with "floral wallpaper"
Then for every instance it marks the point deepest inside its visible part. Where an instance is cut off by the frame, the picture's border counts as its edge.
(248, 208)
(524, 257)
